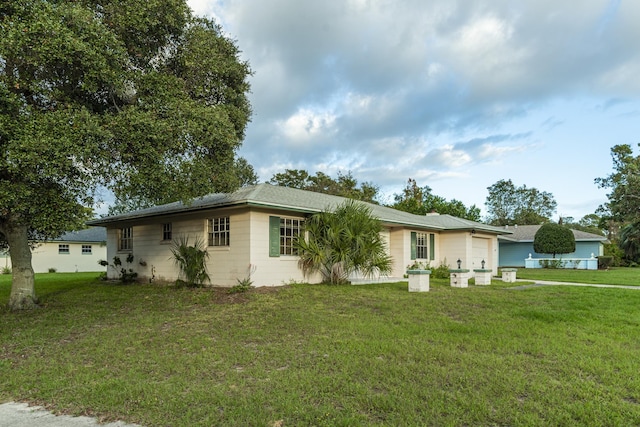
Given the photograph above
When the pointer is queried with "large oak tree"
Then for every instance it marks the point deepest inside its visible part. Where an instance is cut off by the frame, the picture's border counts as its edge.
(137, 96)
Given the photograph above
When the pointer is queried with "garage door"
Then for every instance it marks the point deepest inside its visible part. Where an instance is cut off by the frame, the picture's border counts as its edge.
(480, 252)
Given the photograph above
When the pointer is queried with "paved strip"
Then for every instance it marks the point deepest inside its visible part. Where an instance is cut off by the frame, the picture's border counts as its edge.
(14, 414)
(539, 283)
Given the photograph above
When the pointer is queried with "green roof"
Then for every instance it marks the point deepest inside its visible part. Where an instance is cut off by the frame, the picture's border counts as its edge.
(295, 200)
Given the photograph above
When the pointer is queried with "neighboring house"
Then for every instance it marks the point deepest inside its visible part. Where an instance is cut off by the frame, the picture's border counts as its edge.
(75, 251)
(516, 247)
(250, 233)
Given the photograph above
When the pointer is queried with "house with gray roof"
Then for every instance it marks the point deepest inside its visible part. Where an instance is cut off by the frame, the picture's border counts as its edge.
(75, 251)
(249, 233)
(514, 248)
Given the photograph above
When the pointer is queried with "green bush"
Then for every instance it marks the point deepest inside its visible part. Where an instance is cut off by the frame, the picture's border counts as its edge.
(52, 270)
(6, 270)
(442, 271)
(191, 260)
(604, 262)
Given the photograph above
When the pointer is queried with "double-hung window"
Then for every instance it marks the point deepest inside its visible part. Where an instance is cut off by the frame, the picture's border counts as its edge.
(421, 246)
(290, 229)
(218, 231)
(167, 233)
(125, 239)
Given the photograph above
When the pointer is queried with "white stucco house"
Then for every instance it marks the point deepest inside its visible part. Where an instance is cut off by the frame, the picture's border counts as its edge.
(250, 232)
(75, 251)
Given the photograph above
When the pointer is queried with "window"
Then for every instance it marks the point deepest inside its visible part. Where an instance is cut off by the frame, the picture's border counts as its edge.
(218, 231)
(166, 231)
(86, 249)
(289, 230)
(421, 245)
(125, 239)
(63, 249)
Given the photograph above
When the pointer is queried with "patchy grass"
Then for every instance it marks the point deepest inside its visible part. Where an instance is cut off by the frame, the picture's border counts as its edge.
(326, 355)
(613, 276)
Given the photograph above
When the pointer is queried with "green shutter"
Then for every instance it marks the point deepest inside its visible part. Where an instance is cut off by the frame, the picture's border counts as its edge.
(414, 241)
(432, 247)
(274, 236)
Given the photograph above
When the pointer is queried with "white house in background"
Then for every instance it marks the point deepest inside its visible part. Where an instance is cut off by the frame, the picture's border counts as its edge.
(75, 251)
(250, 232)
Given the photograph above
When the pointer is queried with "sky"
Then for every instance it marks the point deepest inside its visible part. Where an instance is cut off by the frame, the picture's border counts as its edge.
(454, 94)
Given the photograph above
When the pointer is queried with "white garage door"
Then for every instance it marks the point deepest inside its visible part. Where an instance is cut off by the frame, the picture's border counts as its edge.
(480, 252)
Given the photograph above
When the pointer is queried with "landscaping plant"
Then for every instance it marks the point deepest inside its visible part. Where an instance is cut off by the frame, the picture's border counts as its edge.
(341, 242)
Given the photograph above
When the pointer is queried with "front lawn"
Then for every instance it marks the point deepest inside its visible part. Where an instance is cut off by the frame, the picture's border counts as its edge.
(613, 276)
(326, 355)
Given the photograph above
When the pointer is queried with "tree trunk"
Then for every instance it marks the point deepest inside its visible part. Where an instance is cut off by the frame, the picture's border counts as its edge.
(23, 291)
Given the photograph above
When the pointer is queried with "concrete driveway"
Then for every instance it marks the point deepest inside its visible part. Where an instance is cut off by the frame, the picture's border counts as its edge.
(13, 414)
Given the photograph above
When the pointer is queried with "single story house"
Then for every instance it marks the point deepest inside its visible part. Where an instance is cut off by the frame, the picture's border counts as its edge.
(249, 233)
(518, 246)
(75, 251)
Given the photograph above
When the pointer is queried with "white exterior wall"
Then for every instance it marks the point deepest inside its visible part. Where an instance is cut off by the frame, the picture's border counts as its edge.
(45, 256)
(272, 271)
(454, 246)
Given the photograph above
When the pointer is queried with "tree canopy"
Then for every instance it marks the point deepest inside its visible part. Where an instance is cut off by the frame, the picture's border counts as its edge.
(345, 185)
(554, 239)
(139, 97)
(510, 205)
(420, 201)
(624, 198)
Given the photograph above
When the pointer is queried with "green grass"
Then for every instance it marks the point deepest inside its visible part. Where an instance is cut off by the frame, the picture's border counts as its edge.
(326, 355)
(613, 276)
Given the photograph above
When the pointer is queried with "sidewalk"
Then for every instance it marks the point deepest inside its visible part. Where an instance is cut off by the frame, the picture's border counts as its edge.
(551, 283)
(13, 414)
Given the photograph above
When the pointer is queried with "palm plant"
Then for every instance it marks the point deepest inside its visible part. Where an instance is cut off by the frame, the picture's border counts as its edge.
(630, 240)
(343, 242)
(191, 260)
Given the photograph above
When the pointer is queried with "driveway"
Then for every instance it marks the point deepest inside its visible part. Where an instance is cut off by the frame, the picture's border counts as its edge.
(13, 414)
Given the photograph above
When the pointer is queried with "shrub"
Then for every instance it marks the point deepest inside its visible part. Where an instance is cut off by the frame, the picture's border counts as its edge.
(342, 242)
(191, 260)
(127, 275)
(551, 263)
(442, 271)
(6, 270)
(604, 262)
(52, 270)
(243, 286)
(554, 239)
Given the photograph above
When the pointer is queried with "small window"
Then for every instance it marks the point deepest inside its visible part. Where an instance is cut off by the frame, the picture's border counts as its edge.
(421, 246)
(86, 249)
(63, 249)
(125, 239)
(218, 230)
(166, 231)
(289, 230)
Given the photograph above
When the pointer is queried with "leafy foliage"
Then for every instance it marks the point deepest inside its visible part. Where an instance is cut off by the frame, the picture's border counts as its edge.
(630, 241)
(509, 205)
(420, 201)
(344, 185)
(343, 242)
(554, 239)
(191, 260)
(140, 97)
(624, 183)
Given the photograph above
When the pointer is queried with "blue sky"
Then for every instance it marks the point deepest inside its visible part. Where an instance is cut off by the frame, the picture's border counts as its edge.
(454, 94)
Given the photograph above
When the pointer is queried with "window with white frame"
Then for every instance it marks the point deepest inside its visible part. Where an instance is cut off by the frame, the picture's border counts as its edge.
(290, 228)
(63, 249)
(125, 239)
(86, 250)
(218, 231)
(167, 233)
(421, 246)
